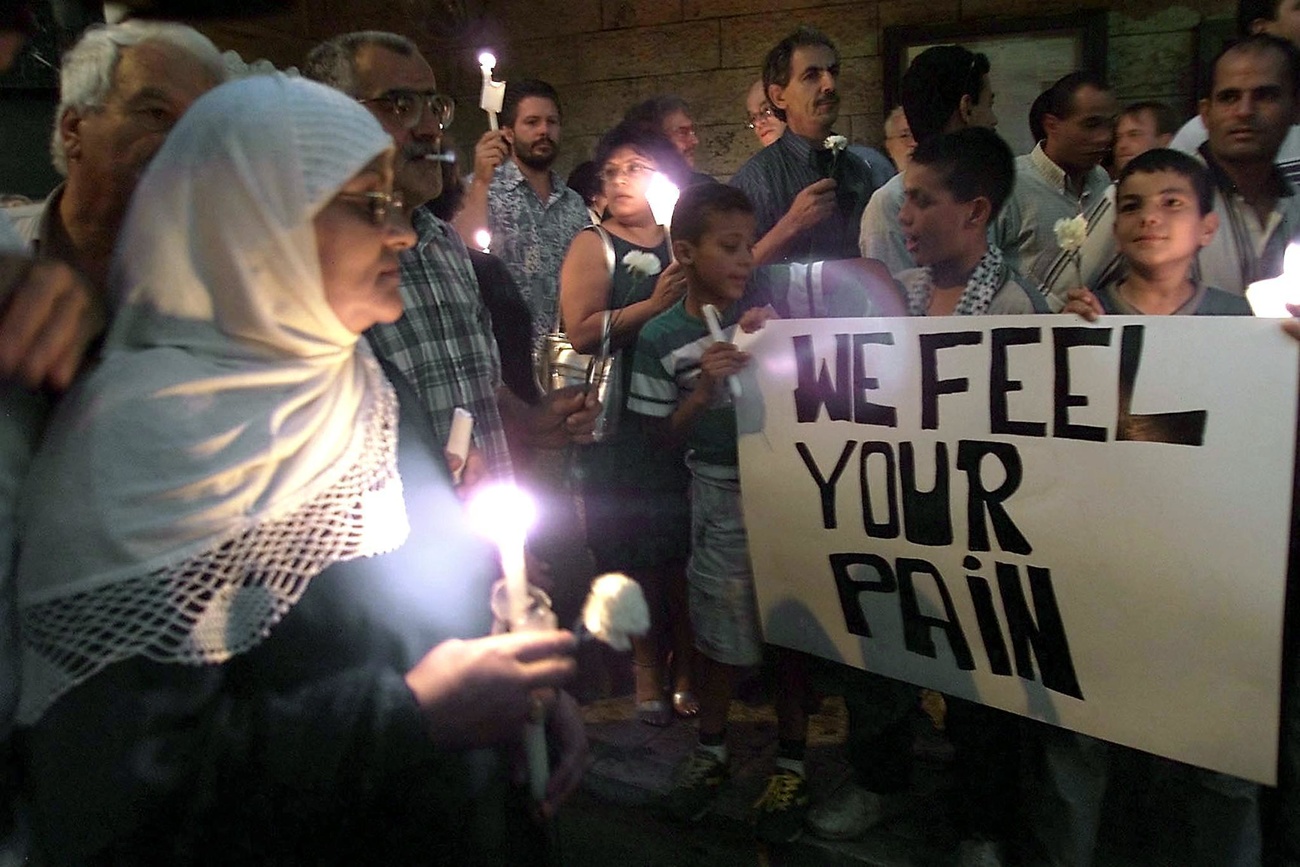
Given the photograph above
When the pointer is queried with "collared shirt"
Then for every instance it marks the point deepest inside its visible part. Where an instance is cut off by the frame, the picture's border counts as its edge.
(1244, 248)
(1193, 134)
(777, 173)
(532, 236)
(443, 343)
(32, 222)
(1025, 228)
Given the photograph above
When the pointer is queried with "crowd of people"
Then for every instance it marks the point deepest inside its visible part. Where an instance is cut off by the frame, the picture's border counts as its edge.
(245, 618)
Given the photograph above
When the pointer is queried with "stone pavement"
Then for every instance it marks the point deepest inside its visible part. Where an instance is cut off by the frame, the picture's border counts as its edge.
(613, 820)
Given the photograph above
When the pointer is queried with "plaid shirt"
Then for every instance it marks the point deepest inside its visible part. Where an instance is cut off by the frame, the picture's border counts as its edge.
(532, 236)
(443, 342)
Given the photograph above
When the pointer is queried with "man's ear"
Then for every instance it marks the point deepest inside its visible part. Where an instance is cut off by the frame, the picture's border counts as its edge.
(70, 133)
(1258, 26)
(1203, 109)
(1051, 123)
(509, 135)
(1162, 141)
(1209, 225)
(776, 95)
(981, 210)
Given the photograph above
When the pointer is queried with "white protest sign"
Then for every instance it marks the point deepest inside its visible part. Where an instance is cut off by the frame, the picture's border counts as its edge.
(1084, 524)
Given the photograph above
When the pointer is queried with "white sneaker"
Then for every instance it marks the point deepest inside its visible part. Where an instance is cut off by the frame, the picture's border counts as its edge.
(852, 810)
(979, 853)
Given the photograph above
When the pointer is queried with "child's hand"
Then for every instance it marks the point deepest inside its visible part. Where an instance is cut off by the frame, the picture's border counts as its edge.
(718, 362)
(1082, 302)
(754, 318)
(1292, 326)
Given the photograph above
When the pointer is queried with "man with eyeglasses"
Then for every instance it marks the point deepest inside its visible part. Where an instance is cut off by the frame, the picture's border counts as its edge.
(899, 142)
(443, 343)
(808, 195)
(526, 206)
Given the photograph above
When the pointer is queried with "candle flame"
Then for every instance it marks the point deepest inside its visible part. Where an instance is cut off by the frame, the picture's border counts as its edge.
(487, 60)
(483, 239)
(502, 511)
(1270, 297)
(662, 195)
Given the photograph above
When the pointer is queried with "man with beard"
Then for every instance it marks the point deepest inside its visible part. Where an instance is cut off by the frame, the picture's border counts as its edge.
(808, 189)
(529, 210)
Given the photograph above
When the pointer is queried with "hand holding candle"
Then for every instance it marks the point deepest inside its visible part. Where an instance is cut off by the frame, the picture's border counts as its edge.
(715, 329)
(1270, 297)
(493, 91)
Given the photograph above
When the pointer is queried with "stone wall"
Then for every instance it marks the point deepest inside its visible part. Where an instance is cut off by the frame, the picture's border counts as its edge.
(605, 55)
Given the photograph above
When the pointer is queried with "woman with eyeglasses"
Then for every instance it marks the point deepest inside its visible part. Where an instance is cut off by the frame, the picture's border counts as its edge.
(243, 576)
(638, 519)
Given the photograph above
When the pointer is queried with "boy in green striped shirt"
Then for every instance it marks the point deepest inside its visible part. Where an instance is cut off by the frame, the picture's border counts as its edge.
(679, 379)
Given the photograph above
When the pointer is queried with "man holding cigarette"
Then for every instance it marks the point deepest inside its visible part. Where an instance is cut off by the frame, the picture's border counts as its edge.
(443, 343)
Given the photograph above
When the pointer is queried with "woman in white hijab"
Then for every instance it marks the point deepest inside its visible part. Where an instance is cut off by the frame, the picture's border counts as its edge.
(226, 631)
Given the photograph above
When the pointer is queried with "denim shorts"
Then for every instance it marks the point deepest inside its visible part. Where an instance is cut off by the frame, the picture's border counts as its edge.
(720, 579)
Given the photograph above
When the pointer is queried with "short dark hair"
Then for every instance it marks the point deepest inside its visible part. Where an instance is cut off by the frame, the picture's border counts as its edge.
(652, 112)
(776, 68)
(1168, 160)
(1259, 43)
(651, 144)
(519, 90)
(1250, 11)
(1037, 110)
(702, 201)
(585, 181)
(1166, 120)
(972, 162)
(934, 83)
(1058, 100)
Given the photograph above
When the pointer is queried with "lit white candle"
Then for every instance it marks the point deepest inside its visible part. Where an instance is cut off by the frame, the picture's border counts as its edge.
(493, 91)
(1270, 297)
(662, 195)
(505, 514)
(483, 240)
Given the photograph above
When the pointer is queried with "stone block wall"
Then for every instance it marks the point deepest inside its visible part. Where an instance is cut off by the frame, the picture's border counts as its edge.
(605, 55)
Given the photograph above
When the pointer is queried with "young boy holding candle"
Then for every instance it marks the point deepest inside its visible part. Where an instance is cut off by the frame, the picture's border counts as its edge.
(1164, 215)
(679, 378)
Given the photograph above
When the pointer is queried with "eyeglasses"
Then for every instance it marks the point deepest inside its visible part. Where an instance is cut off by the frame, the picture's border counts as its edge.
(378, 206)
(633, 170)
(753, 120)
(408, 106)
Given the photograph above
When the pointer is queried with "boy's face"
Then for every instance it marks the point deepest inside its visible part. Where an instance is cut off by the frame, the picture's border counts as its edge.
(720, 263)
(936, 227)
(1158, 220)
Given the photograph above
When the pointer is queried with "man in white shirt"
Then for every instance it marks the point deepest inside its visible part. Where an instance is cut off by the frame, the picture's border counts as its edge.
(1280, 18)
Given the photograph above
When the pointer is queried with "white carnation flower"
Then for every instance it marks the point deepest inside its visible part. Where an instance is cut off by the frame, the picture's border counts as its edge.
(616, 610)
(835, 143)
(1071, 233)
(642, 263)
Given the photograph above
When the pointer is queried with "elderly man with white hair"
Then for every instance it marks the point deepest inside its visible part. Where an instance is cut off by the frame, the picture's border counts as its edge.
(123, 88)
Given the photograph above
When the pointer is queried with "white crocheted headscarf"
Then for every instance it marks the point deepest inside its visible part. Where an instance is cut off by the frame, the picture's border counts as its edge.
(236, 438)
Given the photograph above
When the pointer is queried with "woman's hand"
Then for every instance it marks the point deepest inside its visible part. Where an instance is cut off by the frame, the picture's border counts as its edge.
(480, 692)
(670, 287)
